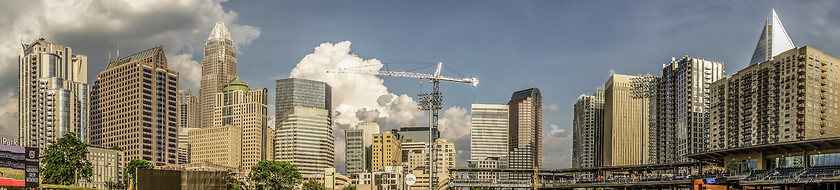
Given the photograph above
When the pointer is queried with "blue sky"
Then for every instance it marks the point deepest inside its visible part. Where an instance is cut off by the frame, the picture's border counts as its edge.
(565, 48)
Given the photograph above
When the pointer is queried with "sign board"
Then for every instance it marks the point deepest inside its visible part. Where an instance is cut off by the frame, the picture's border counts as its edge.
(410, 179)
(18, 166)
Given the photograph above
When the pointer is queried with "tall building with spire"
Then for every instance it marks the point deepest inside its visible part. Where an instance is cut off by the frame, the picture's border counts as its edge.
(772, 41)
(53, 94)
(217, 69)
(134, 106)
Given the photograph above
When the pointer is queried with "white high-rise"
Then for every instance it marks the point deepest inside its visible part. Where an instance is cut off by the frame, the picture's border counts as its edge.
(53, 94)
(488, 131)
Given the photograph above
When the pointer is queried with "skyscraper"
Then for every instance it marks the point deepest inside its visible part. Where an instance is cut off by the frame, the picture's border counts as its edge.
(772, 41)
(625, 124)
(218, 68)
(305, 138)
(53, 91)
(247, 108)
(525, 129)
(358, 148)
(134, 106)
(588, 126)
(188, 112)
(385, 151)
(488, 131)
(787, 97)
(294, 92)
(681, 109)
(791, 97)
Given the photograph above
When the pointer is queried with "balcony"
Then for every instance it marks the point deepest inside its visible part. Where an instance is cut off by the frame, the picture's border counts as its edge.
(801, 78)
(801, 98)
(800, 120)
(800, 127)
(823, 103)
(823, 76)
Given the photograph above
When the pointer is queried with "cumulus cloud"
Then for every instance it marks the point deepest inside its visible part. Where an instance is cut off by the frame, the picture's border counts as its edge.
(363, 97)
(93, 27)
(455, 127)
(356, 97)
(557, 132)
(552, 108)
(357, 93)
(189, 71)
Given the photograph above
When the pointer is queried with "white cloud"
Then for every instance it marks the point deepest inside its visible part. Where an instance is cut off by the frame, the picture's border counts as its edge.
(552, 108)
(455, 127)
(189, 71)
(92, 27)
(356, 92)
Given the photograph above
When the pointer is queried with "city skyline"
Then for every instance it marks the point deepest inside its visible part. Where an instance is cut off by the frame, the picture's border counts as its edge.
(733, 25)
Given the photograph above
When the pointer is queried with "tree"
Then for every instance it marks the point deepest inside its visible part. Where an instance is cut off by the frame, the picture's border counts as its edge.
(275, 175)
(132, 167)
(65, 161)
(352, 187)
(232, 183)
(117, 148)
(313, 184)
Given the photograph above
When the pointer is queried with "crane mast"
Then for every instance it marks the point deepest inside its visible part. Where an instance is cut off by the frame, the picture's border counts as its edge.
(433, 102)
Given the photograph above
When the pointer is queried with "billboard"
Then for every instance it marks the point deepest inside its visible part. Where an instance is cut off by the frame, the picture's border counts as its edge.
(18, 166)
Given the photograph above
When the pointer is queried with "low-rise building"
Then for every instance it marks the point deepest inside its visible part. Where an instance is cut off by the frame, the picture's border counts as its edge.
(106, 166)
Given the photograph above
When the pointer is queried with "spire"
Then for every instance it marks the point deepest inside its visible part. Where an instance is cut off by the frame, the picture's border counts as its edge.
(219, 32)
(772, 41)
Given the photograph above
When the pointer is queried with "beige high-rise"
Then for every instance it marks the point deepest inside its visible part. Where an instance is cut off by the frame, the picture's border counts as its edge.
(220, 145)
(218, 68)
(625, 124)
(385, 151)
(53, 94)
(246, 108)
(305, 138)
(793, 96)
(134, 106)
(417, 161)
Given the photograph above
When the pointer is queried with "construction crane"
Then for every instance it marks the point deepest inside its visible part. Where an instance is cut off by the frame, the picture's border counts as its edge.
(429, 101)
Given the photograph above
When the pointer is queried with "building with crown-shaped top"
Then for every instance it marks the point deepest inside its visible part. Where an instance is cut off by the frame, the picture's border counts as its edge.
(134, 106)
(218, 68)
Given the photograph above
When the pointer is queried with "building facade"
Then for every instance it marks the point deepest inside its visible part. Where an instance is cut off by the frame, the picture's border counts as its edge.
(680, 104)
(525, 130)
(53, 91)
(385, 151)
(625, 136)
(246, 108)
(105, 167)
(358, 148)
(134, 106)
(221, 145)
(791, 97)
(188, 111)
(488, 131)
(295, 92)
(218, 68)
(588, 126)
(305, 138)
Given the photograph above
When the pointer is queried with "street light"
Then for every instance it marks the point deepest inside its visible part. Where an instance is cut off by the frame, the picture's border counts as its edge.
(643, 87)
